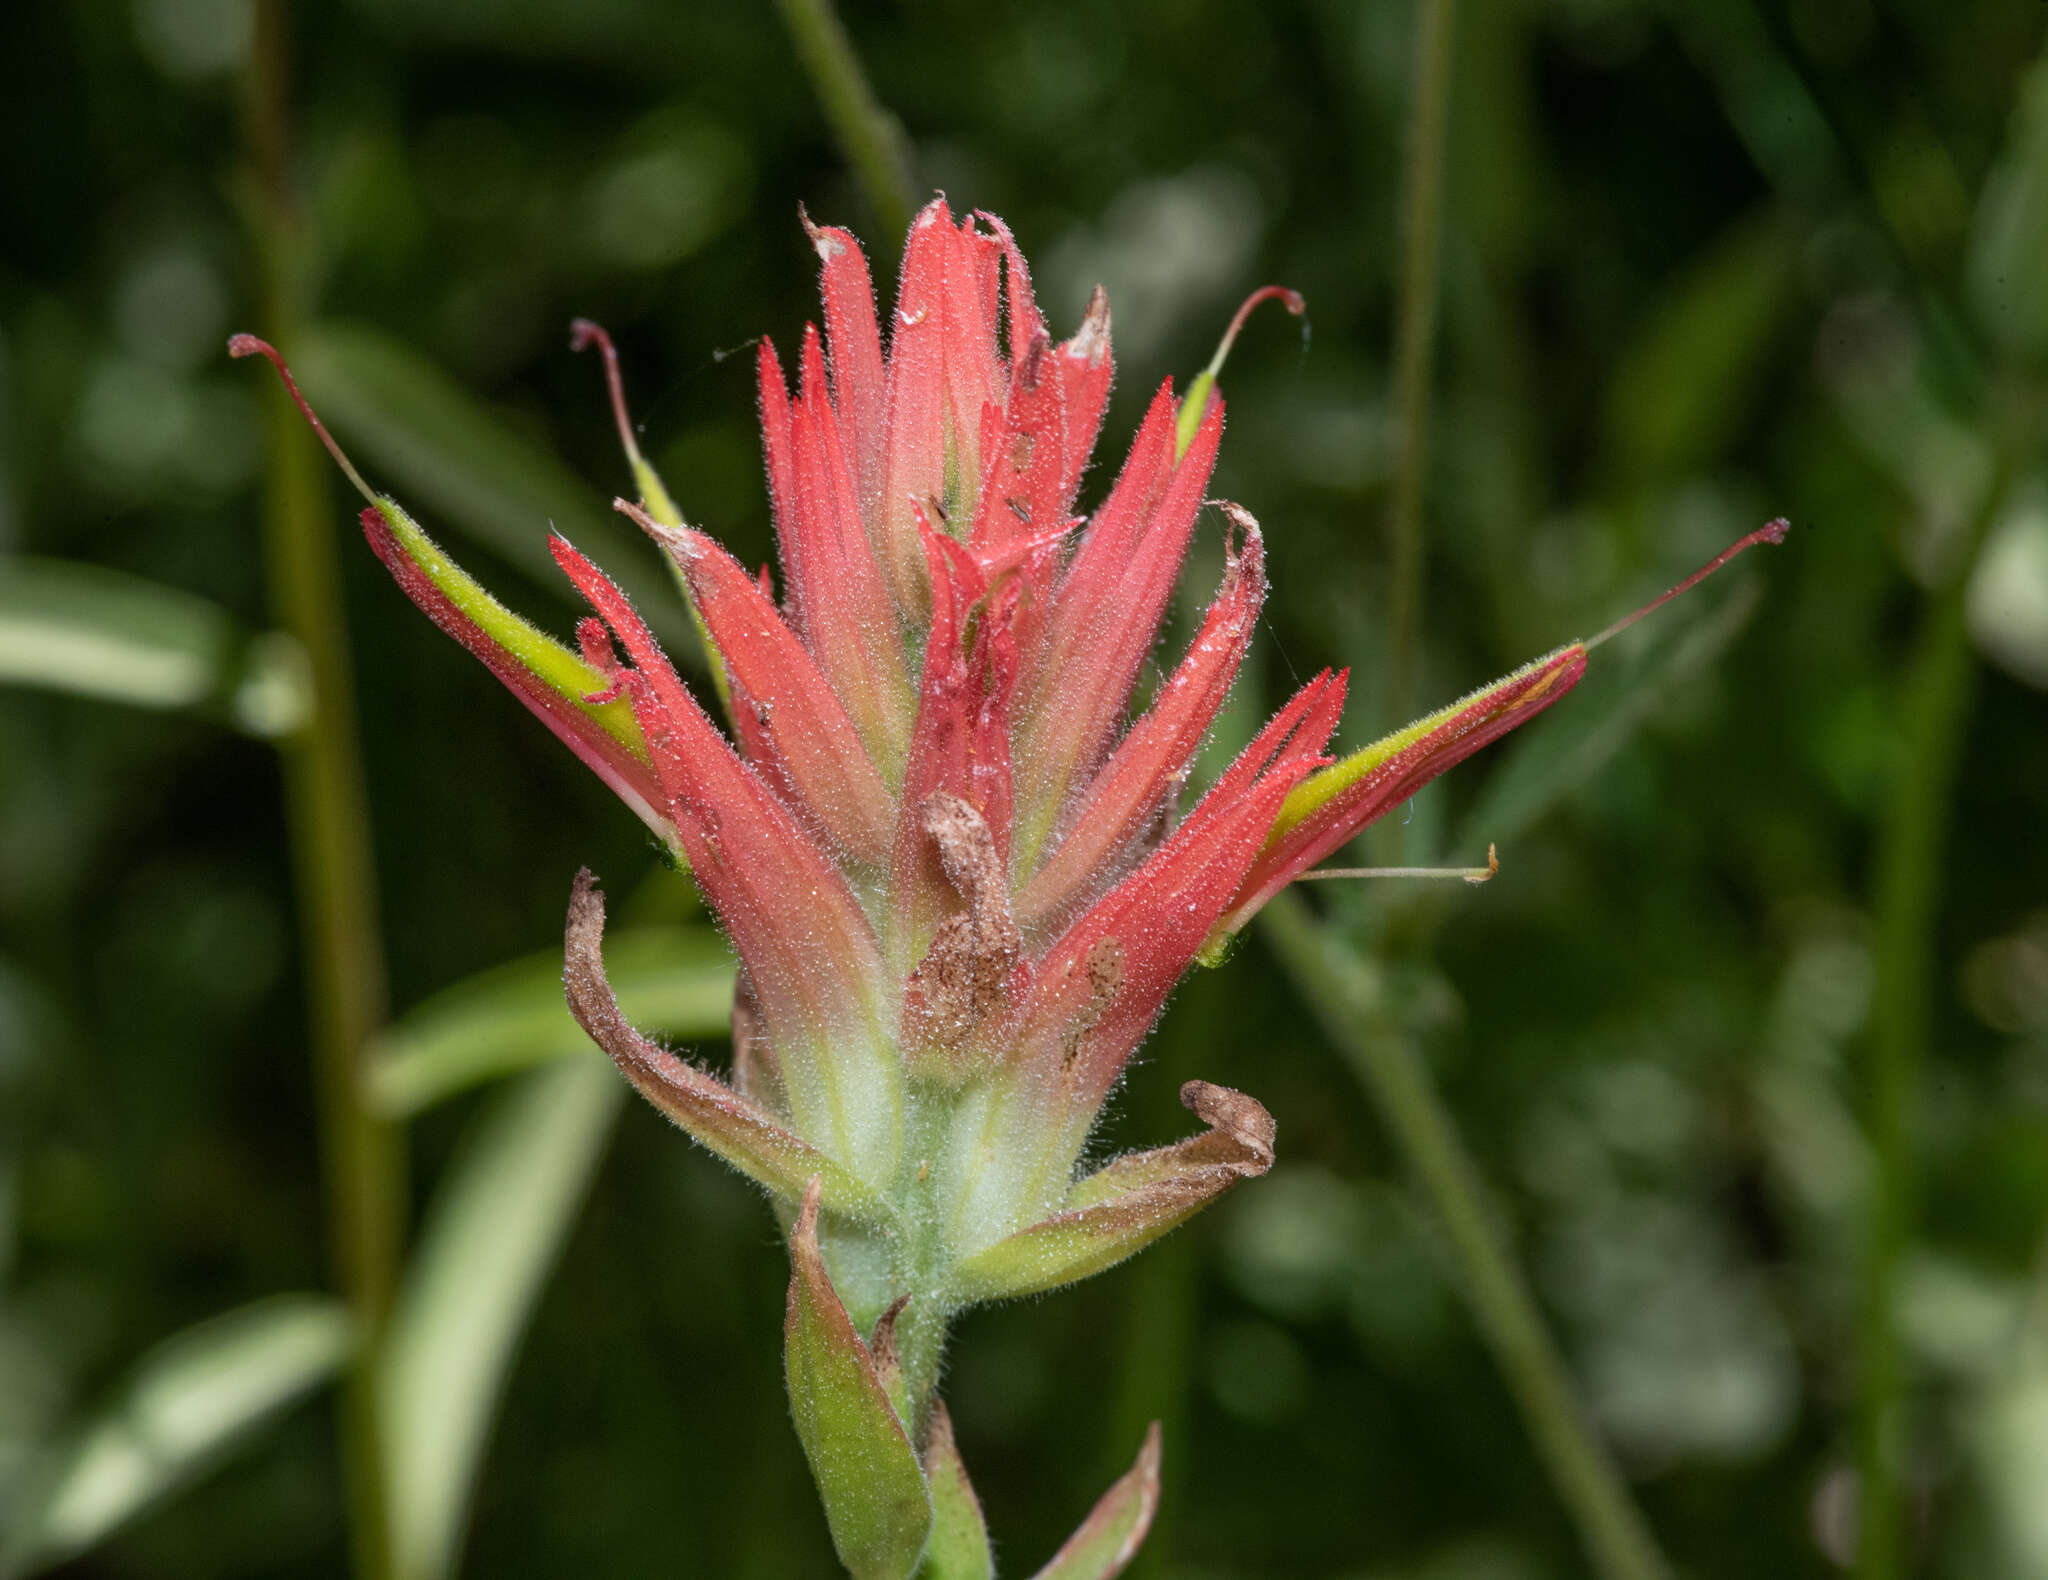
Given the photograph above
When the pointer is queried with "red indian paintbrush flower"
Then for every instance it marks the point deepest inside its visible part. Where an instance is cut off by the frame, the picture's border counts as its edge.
(941, 852)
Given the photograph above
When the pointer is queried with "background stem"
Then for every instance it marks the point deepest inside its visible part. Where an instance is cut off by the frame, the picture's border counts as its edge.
(1414, 340)
(362, 1157)
(1939, 686)
(871, 138)
(1384, 1059)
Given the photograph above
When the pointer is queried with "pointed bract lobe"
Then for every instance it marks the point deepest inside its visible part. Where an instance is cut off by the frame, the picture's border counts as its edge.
(1085, 368)
(778, 450)
(1106, 612)
(1115, 1529)
(1152, 761)
(799, 932)
(1023, 476)
(1025, 320)
(1330, 808)
(718, 1118)
(943, 370)
(1036, 448)
(868, 1476)
(975, 378)
(1161, 914)
(1022, 484)
(800, 716)
(1122, 1208)
(959, 1547)
(860, 389)
(554, 683)
(846, 615)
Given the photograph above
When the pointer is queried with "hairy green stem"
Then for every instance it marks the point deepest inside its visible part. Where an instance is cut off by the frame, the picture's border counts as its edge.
(361, 1154)
(871, 138)
(1939, 687)
(1415, 338)
(1380, 1052)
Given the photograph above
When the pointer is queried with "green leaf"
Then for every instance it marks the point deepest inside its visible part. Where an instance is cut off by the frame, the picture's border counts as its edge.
(1686, 380)
(496, 1226)
(1111, 1535)
(873, 1488)
(676, 980)
(189, 1402)
(427, 440)
(100, 633)
(959, 1547)
(2007, 602)
(2010, 238)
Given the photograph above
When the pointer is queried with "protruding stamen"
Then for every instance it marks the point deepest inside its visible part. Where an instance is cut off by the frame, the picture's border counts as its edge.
(1472, 875)
(584, 333)
(252, 346)
(1296, 304)
(1769, 532)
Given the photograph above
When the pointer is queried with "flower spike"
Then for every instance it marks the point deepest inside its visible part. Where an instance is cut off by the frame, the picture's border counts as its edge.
(952, 865)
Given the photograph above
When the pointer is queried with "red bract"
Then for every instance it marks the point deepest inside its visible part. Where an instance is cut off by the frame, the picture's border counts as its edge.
(955, 871)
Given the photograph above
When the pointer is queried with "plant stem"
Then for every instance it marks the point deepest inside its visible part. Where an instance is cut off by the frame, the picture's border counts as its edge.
(362, 1159)
(1348, 1001)
(1939, 687)
(871, 138)
(1415, 337)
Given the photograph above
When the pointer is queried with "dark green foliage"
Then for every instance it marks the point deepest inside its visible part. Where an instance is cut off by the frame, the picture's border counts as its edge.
(1704, 264)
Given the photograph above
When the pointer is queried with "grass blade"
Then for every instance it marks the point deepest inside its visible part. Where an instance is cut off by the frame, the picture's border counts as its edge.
(188, 1404)
(495, 1228)
(95, 632)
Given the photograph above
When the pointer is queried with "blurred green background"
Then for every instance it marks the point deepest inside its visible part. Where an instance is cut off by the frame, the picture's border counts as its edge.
(1702, 264)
